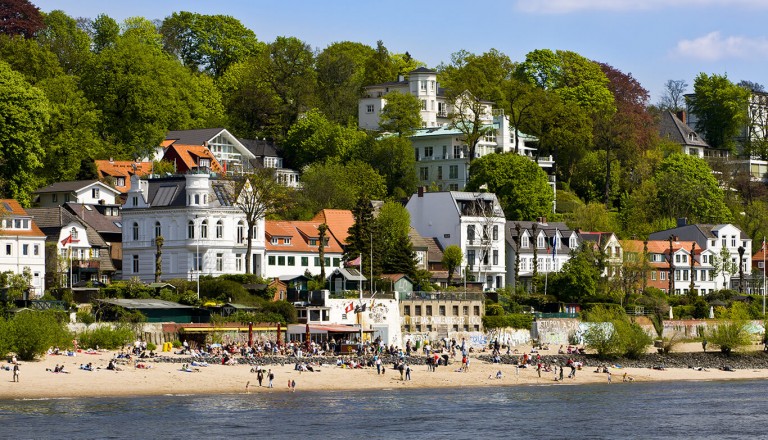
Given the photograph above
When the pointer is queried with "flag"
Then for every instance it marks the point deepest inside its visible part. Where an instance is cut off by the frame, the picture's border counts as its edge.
(554, 246)
(356, 262)
(349, 307)
(68, 240)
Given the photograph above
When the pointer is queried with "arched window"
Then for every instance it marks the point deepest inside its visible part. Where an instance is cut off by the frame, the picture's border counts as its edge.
(135, 231)
(197, 199)
(219, 229)
(191, 229)
(158, 229)
(240, 232)
(204, 229)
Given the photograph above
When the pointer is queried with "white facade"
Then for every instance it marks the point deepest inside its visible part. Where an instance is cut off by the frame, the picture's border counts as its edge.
(90, 193)
(201, 237)
(456, 218)
(22, 246)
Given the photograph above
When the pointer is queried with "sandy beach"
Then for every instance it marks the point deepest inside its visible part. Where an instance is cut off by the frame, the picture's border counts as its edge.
(38, 381)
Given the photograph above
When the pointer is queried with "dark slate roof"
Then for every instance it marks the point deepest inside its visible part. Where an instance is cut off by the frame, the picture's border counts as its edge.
(145, 304)
(699, 233)
(193, 137)
(94, 218)
(549, 229)
(73, 185)
(672, 128)
(51, 220)
(172, 191)
(417, 240)
(423, 69)
(435, 251)
(260, 147)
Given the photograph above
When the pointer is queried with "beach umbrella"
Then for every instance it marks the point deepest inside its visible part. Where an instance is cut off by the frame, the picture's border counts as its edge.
(670, 313)
(308, 341)
(279, 335)
(711, 312)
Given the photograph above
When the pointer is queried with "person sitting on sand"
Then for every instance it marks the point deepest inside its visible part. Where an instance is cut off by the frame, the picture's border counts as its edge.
(498, 374)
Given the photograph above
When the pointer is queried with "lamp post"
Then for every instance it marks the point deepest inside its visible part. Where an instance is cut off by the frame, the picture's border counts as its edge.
(197, 256)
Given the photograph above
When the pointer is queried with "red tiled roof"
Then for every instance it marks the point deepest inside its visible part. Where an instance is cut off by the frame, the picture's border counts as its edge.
(17, 211)
(299, 233)
(338, 220)
(189, 154)
(122, 168)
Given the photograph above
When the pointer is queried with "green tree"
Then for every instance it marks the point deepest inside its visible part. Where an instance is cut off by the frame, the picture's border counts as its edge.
(392, 157)
(730, 333)
(315, 139)
(33, 332)
(452, 258)
(24, 111)
(687, 188)
(593, 217)
(391, 240)
(332, 185)
(589, 174)
(401, 114)
(379, 67)
(293, 79)
(720, 107)
(104, 32)
(340, 74)
(722, 264)
(62, 36)
(578, 279)
(360, 233)
(207, 42)
(520, 184)
(471, 81)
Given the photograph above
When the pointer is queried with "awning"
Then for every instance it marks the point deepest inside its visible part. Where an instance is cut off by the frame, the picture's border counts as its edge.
(226, 329)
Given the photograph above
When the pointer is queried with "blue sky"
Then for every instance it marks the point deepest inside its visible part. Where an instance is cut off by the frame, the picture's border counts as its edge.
(654, 40)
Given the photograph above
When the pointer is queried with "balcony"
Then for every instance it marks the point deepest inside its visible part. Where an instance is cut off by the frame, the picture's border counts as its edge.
(85, 264)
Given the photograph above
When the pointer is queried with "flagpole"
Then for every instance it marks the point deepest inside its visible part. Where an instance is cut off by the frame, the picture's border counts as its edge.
(360, 306)
(763, 275)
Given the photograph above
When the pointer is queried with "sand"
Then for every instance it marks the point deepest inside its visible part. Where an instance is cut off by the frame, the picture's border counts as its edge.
(167, 379)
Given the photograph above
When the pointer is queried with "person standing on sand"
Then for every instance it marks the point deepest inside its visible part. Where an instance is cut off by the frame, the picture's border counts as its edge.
(271, 377)
(15, 372)
(260, 376)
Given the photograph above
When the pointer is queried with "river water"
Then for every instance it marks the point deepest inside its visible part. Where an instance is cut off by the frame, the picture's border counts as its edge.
(684, 410)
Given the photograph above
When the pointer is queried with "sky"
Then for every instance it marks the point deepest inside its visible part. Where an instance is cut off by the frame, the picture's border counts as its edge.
(653, 40)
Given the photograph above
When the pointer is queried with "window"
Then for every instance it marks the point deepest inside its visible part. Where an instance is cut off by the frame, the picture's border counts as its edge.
(495, 257)
(457, 151)
(453, 187)
(238, 263)
(471, 258)
(281, 260)
(119, 181)
(455, 310)
(685, 258)
(417, 154)
(271, 260)
(204, 229)
(197, 261)
(304, 261)
(442, 310)
(219, 229)
(423, 104)
(424, 173)
(495, 232)
(274, 240)
(465, 310)
(36, 249)
(439, 173)
(135, 265)
(25, 249)
(453, 172)
(685, 275)
(135, 230)
(369, 108)
(197, 199)
(407, 310)
(704, 259)
(219, 262)
(653, 275)
(317, 261)
(158, 229)
(423, 85)
(441, 110)
(540, 242)
(203, 163)
(191, 229)
(733, 241)
(477, 310)
(428, 151)
(291, 261)
(525, 242)
(240, 232)
(313, 241)
(724, 242)
(417, 310)
(470, 233)
(429, 310)
(336, 262)
(662, 276)
(677, 275)
(95, 193)
(54, 198)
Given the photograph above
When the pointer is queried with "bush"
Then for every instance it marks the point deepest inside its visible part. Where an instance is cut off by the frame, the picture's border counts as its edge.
(513, 320)
(613, 334)
(107, 337)
(85, 317)
(33, 332)
(176, 344)
(731, 333)
(151, 346)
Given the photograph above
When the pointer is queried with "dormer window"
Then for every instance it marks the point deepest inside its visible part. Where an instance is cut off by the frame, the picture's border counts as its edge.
(73, 233)
(313, 242)
(287, 240)
(95, 193)
(204, 163)
(274, 241)
(525, 242)
(540, 242)
(119, 181)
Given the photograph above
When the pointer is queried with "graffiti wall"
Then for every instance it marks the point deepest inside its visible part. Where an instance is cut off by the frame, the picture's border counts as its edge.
(555, 331)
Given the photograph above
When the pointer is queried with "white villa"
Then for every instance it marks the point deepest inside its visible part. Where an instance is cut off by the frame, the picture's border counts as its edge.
(22, 245)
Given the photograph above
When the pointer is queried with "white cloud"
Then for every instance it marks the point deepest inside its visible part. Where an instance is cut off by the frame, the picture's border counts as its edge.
(714, 46)
(566, 6)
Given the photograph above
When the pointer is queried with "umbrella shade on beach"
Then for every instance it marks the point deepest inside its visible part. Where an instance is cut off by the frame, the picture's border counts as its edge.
(308, 340)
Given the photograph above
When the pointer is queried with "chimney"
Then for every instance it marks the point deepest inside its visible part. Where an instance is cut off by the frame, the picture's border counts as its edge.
(682, 221)
(681, 116)
(421, 191)
(400, 78)
(111, 160)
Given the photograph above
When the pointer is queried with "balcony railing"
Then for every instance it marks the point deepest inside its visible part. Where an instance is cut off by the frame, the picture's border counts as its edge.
(86, 264)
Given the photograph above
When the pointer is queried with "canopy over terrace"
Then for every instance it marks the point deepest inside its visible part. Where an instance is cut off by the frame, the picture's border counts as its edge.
(321, 333)
(227, 333)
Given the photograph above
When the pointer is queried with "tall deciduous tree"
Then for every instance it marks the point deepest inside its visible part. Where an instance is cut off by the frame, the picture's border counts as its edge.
(340, 75)
(316, 139)
(472, 83)
(673, 98)
(379, 68)
(360, 235)
(401, 114)
(207, 42)
(519, 183)
(258, 195)
(392, 241)
(720, 107)
(64, 38)
(335, 185)
(20, 17)
(687, 188)
(392, 158)
(452, 258)
(24, 112)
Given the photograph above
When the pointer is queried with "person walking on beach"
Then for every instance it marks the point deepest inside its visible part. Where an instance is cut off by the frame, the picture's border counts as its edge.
(293, 386)
(15, 372)
(260, 376)
(407, 372)
(271, 377)
(378, 364)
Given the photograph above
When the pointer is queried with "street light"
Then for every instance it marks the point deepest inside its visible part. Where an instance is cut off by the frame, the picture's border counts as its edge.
(197, 257)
